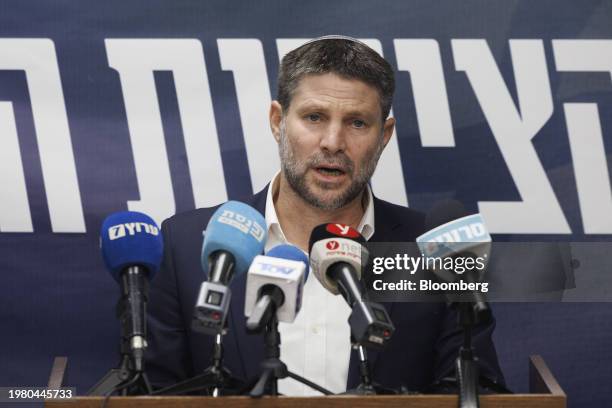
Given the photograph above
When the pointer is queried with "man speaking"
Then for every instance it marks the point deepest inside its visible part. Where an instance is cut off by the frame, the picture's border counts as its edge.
(331, 123)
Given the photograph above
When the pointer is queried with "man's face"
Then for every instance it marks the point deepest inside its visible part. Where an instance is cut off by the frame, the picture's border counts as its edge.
(330, 139)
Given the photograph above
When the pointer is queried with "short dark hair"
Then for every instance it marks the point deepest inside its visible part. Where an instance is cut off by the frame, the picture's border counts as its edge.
(343, 56)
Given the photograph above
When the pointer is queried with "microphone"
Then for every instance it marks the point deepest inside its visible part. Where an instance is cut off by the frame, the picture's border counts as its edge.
(235, 234)
(275, 283)
(454, 233)
(336, 256)
(132, 250)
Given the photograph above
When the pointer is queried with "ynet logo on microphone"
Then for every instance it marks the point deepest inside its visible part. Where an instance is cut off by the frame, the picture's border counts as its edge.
(131, 228)
(344, 247)
(331, 245)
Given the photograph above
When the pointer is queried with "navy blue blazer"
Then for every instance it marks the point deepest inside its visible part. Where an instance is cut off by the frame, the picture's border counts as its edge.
(422, 350)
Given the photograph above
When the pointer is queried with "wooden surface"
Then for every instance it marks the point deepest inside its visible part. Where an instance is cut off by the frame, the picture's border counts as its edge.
(548, 395)
(409, 401)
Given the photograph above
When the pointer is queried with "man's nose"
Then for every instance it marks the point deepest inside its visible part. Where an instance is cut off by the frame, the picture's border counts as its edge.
(333, 138)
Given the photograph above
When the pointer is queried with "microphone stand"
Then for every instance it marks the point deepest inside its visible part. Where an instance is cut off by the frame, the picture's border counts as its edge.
(366, 386)
(466, 365)
(215, 381)
(364, 371)
(273, 368)
(126, 372)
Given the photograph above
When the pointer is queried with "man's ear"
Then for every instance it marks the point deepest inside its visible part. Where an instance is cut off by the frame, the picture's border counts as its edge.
(388, 130)
(276, 115)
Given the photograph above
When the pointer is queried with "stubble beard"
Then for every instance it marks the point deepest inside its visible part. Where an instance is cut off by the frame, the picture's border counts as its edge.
(295, 170)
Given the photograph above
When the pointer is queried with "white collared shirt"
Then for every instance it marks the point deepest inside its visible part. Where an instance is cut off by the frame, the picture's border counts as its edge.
(317, 344)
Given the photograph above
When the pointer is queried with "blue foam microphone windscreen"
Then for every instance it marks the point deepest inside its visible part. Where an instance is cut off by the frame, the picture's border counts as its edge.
(238, 229)
(131, 238)
(292, 253)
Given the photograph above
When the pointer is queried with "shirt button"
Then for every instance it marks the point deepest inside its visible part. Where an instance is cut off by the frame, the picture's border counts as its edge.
(315, 329)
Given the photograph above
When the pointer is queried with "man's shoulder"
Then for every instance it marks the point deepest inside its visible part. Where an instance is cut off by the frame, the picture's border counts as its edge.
(396, 222)
(198, 219)
(186, 226)
(400, 212)
(190, 217)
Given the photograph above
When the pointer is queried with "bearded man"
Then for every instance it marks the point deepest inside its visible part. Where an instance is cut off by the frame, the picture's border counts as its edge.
(331, 123)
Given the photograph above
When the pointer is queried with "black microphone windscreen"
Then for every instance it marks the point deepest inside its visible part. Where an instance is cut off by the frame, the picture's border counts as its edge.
(325, 231)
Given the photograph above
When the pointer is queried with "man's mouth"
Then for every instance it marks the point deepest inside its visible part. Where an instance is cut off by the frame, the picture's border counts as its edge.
(330, 170)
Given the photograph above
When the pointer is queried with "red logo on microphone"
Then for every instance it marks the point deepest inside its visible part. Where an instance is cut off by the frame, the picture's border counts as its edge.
(332, 245)
(342, 230)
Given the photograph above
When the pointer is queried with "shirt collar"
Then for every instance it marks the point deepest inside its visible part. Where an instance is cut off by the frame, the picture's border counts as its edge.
(365, 227)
